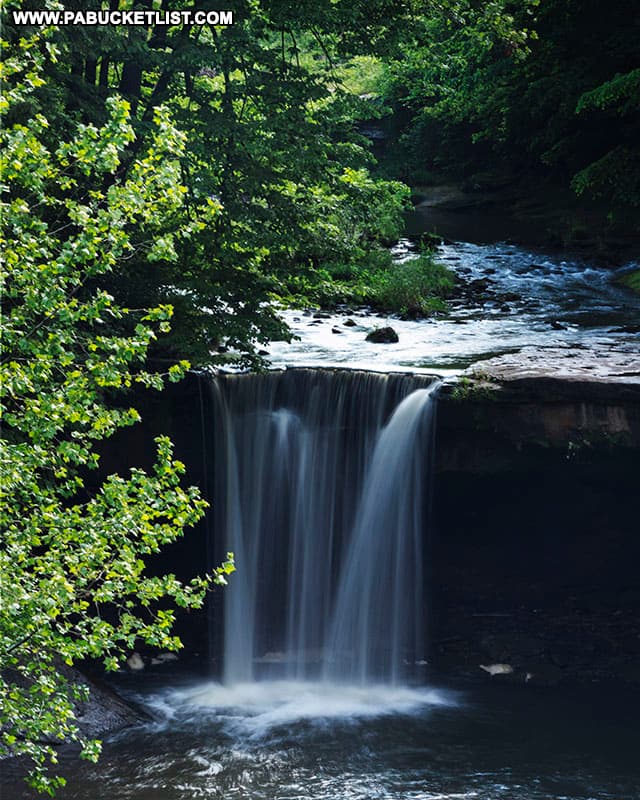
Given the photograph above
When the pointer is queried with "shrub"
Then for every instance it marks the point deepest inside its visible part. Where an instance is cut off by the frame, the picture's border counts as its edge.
(415, 287)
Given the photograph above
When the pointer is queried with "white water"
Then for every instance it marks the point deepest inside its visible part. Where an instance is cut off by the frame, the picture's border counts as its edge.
(378, 614)
(553, 302)
(324, 484)
(254, 710)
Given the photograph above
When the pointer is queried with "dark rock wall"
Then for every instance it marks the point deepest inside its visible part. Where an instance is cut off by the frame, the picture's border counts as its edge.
(537, 535)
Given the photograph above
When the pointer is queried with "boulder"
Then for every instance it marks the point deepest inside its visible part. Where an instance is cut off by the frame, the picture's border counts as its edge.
(497, 669)
(385, 335)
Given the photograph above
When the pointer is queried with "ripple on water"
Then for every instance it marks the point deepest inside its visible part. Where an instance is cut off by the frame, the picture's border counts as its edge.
(317, 742)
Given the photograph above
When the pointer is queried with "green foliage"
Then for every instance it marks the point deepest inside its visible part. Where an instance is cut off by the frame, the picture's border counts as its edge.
(480, 387)
(615, 175)
(620, 93)
(270, 146)
(362, 75)
(72, 562)
(414, 287)
(547, 89)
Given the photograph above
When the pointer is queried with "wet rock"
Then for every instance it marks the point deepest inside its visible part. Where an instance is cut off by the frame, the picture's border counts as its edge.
(350, 323)
(385, 335)
(135, 662)
(164, 658)
(558, 326)
(272, 657)
(100, 712)
(595, 375)
(497, 669)
(263, 352)
(104, 711)
(322, 315)
(626, 329)
(337, 330)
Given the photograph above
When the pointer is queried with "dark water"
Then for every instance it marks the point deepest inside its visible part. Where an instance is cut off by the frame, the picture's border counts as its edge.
(295, 741)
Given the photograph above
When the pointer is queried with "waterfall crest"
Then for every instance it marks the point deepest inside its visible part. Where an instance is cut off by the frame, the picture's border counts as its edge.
(321, 487)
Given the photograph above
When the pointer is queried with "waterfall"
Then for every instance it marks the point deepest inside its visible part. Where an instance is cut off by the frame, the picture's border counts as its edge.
(321, 483)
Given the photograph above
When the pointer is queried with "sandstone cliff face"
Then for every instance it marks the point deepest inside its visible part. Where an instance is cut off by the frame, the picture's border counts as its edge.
(551, 398)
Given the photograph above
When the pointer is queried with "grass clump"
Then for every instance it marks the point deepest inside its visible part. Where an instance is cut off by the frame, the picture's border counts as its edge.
(415, 288)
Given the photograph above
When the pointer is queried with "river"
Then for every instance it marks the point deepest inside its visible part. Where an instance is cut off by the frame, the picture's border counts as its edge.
(528, 299)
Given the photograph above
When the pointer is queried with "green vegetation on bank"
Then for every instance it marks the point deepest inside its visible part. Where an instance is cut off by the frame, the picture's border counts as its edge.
(631, 280)
(417, 287)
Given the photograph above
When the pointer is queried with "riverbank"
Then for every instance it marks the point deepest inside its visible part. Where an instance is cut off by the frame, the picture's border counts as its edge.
(490, 208)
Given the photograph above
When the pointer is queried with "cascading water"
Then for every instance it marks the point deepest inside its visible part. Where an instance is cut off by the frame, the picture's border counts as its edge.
(321, 484)
(378, 621)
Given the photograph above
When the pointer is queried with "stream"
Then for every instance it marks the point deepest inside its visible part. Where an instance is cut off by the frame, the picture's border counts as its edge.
(303, 741)
(527, 299)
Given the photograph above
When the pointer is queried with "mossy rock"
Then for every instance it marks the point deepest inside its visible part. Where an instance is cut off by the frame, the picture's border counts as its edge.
(631, 280)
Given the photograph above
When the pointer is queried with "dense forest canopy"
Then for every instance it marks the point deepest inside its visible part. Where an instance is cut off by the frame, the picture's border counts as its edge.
(268, 141)
(166, 189)
(555, 104)
(539, 92)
